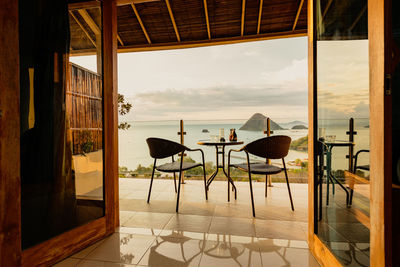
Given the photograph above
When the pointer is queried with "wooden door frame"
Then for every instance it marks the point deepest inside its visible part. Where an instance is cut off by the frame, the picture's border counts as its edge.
(10, 182)
(380, 133)
(61, 246)
(317, 247)
(380, 138)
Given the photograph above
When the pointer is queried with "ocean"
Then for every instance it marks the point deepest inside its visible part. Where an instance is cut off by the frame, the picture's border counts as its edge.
(133, 148)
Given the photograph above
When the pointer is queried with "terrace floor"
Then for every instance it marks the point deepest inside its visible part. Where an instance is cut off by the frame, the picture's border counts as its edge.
(204, 233)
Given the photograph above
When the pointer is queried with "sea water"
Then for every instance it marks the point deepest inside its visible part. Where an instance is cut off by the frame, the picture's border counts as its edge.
(133, 149)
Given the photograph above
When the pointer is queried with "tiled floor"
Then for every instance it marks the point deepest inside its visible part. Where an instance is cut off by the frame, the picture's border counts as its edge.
(345, 229)
(204, 233)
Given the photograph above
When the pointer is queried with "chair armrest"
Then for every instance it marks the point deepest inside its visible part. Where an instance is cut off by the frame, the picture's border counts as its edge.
(229, 154)
(361, 151)
(238, 150)
(356, 158)
(197, 149)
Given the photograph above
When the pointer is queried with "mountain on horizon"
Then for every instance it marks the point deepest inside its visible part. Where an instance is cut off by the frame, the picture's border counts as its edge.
(258, 122)
(290, 125)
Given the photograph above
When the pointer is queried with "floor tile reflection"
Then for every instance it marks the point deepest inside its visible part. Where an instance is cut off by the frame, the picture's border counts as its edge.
(204, 233)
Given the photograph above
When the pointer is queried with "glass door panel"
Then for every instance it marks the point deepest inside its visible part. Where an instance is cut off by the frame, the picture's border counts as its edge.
(61, 119)
(342, 180)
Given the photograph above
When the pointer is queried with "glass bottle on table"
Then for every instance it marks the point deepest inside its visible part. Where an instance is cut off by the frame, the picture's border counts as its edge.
(232, 135)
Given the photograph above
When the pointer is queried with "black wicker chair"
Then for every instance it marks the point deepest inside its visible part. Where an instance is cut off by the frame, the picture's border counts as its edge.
(358, 167)
(273, 147)
(160, 149)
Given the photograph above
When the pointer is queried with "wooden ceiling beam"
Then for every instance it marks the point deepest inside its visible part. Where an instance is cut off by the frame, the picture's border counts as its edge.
(202, 43)
(259, 16)
(171, 15)
(92, 24)
(89, 21)
(83, 28)
(358, 18)
(95, 3)
(326, 9)
(141, 23)
(214, 41)
(120, 40)
(207, 20)
(128, 2)
(298, 15)
(243, 14)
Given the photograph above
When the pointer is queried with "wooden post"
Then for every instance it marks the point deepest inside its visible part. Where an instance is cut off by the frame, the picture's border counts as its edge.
(351, 133)
(268, 180)
(181, 133)
(110, 114)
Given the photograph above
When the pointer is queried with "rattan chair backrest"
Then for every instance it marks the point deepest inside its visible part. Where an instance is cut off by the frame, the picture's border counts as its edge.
(272, 147)
(162, 148)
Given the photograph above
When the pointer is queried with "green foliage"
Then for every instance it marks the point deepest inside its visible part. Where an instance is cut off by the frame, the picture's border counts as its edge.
(122, 169)
(300, 144)
(124, 108)
(86, 144)
(143, 170)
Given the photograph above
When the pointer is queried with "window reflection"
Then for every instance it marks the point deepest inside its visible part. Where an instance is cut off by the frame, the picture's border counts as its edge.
(342, 184)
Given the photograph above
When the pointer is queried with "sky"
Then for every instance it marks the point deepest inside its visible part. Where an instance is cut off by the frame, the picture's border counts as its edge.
(236, 81)
(343, 79)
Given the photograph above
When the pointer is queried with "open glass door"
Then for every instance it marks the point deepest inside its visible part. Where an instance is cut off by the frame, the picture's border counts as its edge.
(342, 180)
(393, 91)
(61, 107)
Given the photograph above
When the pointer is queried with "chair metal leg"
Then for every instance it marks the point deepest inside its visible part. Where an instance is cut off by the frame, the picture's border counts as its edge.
(351, 197)
(151, 181)
(174, 174)
(327, 188)
(229, 193)
(287, 183)
(229, 175)
(205, 180)
(175, 182)
(179, 190)
(252, 198)
(179, 182)
(266, 185)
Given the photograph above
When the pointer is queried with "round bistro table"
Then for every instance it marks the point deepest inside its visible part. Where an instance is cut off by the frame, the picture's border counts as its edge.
(220, 150)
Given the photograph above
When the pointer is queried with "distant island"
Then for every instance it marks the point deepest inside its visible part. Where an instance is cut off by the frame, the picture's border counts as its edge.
(300, 144)
(289, 125)
(299, 127)
(258, 122)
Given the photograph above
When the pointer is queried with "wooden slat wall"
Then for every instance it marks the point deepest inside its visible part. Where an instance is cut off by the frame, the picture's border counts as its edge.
(84, 107)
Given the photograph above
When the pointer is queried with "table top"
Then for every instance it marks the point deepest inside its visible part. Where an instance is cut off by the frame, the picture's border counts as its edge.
(211, 143)
(339, 143)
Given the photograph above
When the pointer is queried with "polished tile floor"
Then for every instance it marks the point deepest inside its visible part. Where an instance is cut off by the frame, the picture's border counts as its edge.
(204, 233)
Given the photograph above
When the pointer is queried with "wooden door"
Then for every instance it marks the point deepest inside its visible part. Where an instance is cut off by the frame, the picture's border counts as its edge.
(62, 245)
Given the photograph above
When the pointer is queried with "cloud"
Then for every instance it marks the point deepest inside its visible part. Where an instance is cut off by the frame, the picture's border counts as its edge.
(294, 73)
(221, 97)
(359, 110)
(220, 102)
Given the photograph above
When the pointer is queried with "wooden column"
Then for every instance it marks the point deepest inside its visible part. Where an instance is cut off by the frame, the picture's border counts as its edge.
(311, 122)
(380, 139)
(10, 180)
(110, 114)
